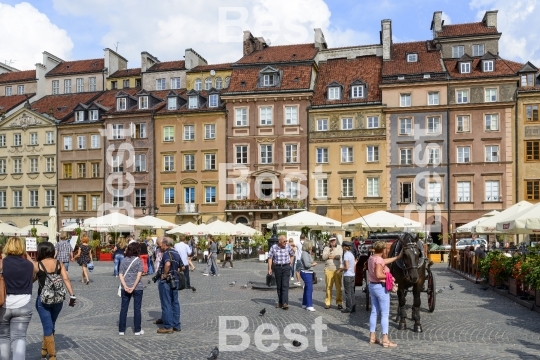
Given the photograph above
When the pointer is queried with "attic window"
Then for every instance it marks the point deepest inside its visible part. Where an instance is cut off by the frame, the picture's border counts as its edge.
(334, 93)
(171, 103)
(121, 104)
(427, 76)
(401, 77)
(296, 79)
(242, 83)
(193, 102)
(94, 115)
(293, 55)
(143, 102)
(488, 65)
(79, 116)
(412, 57)
(269, 80)
(357, 91)
(260, 57)
(527, 80)
(465, 67)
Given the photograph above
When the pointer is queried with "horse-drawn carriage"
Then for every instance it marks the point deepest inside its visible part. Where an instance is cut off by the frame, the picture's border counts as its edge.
(412, 270)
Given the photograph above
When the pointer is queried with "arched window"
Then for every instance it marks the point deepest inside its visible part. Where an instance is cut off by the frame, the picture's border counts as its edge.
(207, 84)
(242, 220)
(219, 83)
(198, 84)
(227, 81)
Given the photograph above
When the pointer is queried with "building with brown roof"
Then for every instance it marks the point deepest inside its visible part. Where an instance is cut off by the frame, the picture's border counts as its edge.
(125, 79)
(15, 82)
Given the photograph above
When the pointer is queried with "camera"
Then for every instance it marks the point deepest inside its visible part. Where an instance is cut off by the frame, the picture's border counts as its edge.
(172, 281)
(156, 277)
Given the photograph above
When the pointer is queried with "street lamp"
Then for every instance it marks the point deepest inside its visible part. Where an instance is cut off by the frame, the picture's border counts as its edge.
(150, 208)
(34, 221)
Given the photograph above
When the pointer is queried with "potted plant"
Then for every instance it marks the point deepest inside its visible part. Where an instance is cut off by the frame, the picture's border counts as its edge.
(105, 254)
(492, 267)
(94, 244)
(530, 274)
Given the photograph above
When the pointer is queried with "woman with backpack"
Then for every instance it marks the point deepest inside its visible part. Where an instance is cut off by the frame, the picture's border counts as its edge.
(52, 277)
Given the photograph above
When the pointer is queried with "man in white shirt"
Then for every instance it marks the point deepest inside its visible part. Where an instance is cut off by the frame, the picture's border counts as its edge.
(298, 256)
(183, 249)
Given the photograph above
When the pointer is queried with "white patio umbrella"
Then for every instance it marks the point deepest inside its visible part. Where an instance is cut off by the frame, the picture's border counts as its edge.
(469, 227)
(306, 218)
(116, 221)
(156, 223)
(219, 227)
(489, 226)
(52, 225)
(384, 220)
(188, 229)
(521, 222)
(41, 230)
(9, 230)
(70, 227)
(246, 230)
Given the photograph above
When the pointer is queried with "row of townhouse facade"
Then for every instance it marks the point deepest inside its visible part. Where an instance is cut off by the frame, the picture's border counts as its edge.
(442, 130)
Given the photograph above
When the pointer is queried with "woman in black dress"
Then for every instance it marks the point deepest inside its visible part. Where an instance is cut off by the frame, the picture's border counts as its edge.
(84, 257)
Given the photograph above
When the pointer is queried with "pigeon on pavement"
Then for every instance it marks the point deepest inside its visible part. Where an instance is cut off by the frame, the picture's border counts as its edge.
(451, 287)
(262, 312)
(439, 291)
(245, 286)
(193, 289)
(296, 343)
(233, 283)
(213, 354)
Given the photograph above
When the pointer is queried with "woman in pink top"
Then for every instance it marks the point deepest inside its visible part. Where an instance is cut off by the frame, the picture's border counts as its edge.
(380, 298)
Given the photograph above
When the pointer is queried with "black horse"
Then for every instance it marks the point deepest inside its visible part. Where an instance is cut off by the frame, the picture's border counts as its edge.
(409, 271)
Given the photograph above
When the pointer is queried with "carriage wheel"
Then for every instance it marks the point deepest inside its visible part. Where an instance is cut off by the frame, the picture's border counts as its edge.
(367, 289)
(431, 292)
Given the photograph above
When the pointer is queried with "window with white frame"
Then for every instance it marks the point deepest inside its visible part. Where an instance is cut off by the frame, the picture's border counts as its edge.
(198, 84)
(207, 84)
(33, 165)
(492, 122)
(80, 85)
(49, 137)
(463, 123)
(168, 163)
(67, 143)
(117, 131)
(291, 189)
(213, 100)
(81, 170)
(291, 115)
(464, 154)
(95, 170)
(209, 194)
(168, 195)
(405, 156)
(372, 153)
(79, 116)
(492, 190)
(322, 125)
(465, 67)
(458, 51)
(121, 104)
(347, 187)
(405, 126)
(478, 50)
(95, 141)
(140, 162)
(266, 154)
(209, 161)
(118, 197)
(462, 96)
(209, 131)
(265, 115)
(68, 203)
(346, 124)
(434, 156)
(434, 125)
(434, 192)
(527, 80)
(189, 132)
(491, 95)
(357, 91)
(33, 197)
(171, 103)
(241, 154)
(49, 198)
(17, 198)
(322, 188)
(433, 98)
(488, 65)
(94, 115)
(322, 155)
(125, 84)
(92, 84)
(347, 154)
(404, 100)
(56, 87)
(3, 169)
(8, 90)
(334, 93)
(3, 140)
(189, 162)
(143, 102)
(219, 83)
(405, 192)
(140, 197)
(49, 165)
(96, 202)
(373, 122)
(168, 133)
(268, 80)
(67, 86)
(492, 153)
(81, 142)
(241, 190)
(227, 81)
(33, 138)
(291, 153)
(139, 131)
(175, 83)
(373, 186)
(117, 164)
(413, 57)
(241, 117)
(160, 84)
(17, 139)
(463, 191)
(20, 89)
(81, 202)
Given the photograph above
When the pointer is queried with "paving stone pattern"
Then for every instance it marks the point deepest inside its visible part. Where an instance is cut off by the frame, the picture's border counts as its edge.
(467, 323)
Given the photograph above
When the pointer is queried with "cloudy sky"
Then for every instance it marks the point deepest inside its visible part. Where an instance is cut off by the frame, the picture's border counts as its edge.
(81, 29)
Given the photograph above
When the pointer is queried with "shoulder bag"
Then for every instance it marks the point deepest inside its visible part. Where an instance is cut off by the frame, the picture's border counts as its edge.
(120, 286)
(2, 286)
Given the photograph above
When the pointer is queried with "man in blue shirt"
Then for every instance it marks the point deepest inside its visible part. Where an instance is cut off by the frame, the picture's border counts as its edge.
(170, 264)
(348, 269)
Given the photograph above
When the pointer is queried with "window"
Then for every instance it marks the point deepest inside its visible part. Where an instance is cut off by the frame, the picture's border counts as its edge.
(81, 170)
(372, 153)
(412, 57)
(49, 198)
(168, 195)
(291, 154)
(17, 198)
(373, 122)
(463, 123)
(531, 112)
(527, 80)
(322, 125)
(125, 84)
(346, 124)
(3, 199)
(189, 162)
(347, 187)
(433, 98)
(118, 197)
(219, 83)
(49, 138)
(241, 190)
(81, 202)
(95, 170)
(68, 203)
(492, 153)
(268, 80)
(427, 76)
(405, 192)
(2, 140)
(462, 96)
(140, 131)
(33, 197)
(405, 100)
(492, 190)
(140, 197)
(168, 163)
(143, 102)
(405, 126)
(92, 84)
(463, 191)
(20, 90)
(198, 84)
(491, 95)
(357, 91)
(189, 132)
(488, 65)
(209, 161)
(266, 154)
(3, 166)
(168, 133)
(463, 154)
(55, 87)
(193, 102)
(96, 202)
(405, 156)
(373, 187)
(79, 116)
(68, 174)
(322, 155)
(160, 84)
(67, 143)
(33, 165)
(478, 50)
(140, 162)
(118, 131)
(322, 188)
(458, 51)
(434, 192)
(17, 140)
(171, 103)
(241, 154)
(94, 115)
(114, 85)
(291, 189)
(81, 142)
(207, 84)
(33, 139)
(210, 131)
(434, 125)
(121, 104)
(118, 164)
(213, 100)
(492, 122)
(67, 86)
(346, 154)
(95, 141)
(465, 67)
(227, 81)
(9, 90)
(265, 115)
(334, 93)
(532, 190)
(209, 194)
(291, 115)
(532, 150)
(175, 83)
(241, 117)
(80, 85)
(434, 156)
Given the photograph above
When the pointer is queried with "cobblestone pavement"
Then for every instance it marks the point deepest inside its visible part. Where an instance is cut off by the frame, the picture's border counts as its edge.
(468, 322)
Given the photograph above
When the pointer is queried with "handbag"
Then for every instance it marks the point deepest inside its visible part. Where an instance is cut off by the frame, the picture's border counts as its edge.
(90, 266)
(120, 286)
(2, 286)
(315, 278)
(391, 283)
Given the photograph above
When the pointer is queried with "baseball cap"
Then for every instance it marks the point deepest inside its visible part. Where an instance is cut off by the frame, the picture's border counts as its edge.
(347, 243)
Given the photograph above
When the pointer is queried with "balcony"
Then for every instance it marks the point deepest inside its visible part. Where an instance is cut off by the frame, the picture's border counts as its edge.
(265, 204)
(187, 209)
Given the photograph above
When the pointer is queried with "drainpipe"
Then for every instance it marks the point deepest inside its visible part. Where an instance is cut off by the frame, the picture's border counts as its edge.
(448, 198)
(227, 160)
(154, 200)
(516, 139)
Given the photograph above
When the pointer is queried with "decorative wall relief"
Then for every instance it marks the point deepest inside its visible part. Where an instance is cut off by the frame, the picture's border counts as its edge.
(360, 120)
(532, 131)
(25, 121)
(334, 122)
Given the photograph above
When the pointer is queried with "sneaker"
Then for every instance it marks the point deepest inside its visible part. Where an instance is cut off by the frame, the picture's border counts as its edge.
(121, 333)
(311, 308)
(139, 333)
(292, 278)
(297, 283)
(304, 306)
(205, 274)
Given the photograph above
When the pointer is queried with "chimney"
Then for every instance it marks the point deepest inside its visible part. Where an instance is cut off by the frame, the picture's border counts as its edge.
(436, 23)
(193, 59)
(114, 61)
(252, 43)
(386, 39)
(320, 42)
(147, 60)
(490, 18)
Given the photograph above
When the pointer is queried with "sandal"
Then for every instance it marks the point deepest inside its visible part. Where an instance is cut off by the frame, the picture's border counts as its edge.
(376, 341)
(388, 344)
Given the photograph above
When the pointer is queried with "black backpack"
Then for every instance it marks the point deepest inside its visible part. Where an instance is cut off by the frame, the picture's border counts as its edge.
(53, 290)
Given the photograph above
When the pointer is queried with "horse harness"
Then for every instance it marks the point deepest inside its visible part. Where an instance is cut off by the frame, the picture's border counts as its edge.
(419, 246)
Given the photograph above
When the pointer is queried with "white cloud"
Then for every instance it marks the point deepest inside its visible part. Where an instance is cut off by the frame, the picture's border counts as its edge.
(518, 22)
(27, 33)
(166, 27)
(446, 18)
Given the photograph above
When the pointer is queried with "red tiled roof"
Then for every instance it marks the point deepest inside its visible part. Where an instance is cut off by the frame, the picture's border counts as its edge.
(168, 66)
(477, 28)
(62, 105)
(17, 76)
(295, 77)
(78, 67)
(224, 66)
(502, 68)
(126, 73)
(344, 71)
(9, 102)
(428, 61)
(281, 54)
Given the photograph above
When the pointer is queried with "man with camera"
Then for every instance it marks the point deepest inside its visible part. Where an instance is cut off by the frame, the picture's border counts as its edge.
(332, 255)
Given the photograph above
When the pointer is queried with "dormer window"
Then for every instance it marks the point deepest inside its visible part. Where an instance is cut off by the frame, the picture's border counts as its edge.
(465, 68)
(357, 91)
(427, 76)
(488, 65)
(143, 102)
(412, 57)
(268, 80)
(94, 115)
(121, 104)
(334, 93)
(171, 103)
(478, 50)
(79, 115)
(527, 80)
(193, 102)
(401, 77)
(213, 100)
(198, 84)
